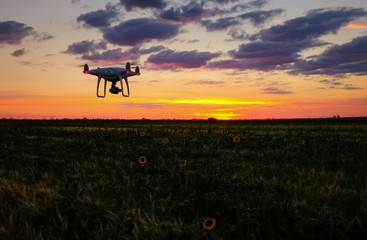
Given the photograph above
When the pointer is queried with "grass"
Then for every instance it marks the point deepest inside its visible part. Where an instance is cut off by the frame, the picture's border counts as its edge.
(94, 179)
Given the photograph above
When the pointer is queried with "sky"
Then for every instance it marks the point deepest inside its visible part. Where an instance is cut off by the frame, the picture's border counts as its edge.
(225, 59)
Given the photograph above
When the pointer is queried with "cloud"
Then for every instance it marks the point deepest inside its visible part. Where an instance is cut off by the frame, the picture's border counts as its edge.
(99, 18)
(316, 23)
(135, 31)
(184, 59)
(130, 4)
(350, 57)
(255, 17)
(260, 17)
(152, 49)
(12, 32)
(206, 82)
(85, 47)
(18, 53)
(192, 12)
(97, 51)
(279, 47)
(113, 55)
(220, 24)
(75, 1)
(274, 90)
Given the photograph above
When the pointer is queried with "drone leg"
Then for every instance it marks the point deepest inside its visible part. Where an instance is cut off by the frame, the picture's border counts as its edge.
(127, 86)
(104, 91)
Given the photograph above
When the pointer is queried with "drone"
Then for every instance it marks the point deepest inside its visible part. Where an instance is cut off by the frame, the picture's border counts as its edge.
(114, 75)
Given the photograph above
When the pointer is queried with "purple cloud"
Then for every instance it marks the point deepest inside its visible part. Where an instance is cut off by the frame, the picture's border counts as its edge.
(12, 32)
(260, 17)
(130, 4)
(85, 47)
(192, 12)
(18, 53)
(135, 31)
(220, 24)
(99, 18)
(316, 23)
(255, 17)
(279, 47)
(184, 59)
(274, 90)
(113, 55)
(152, 49)
(350, 57)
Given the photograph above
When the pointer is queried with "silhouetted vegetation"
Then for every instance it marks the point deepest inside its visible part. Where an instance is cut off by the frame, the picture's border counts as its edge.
(98, 179)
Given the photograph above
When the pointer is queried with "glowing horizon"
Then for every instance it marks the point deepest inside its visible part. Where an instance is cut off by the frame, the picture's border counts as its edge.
(226, 60)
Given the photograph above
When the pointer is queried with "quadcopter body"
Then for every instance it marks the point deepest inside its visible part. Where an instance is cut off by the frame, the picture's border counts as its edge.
(114, 75)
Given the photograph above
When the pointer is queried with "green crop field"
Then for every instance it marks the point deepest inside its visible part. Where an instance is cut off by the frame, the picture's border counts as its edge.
(95, 179)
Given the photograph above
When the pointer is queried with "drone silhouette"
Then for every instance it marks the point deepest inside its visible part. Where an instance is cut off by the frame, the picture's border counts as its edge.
(114, 75)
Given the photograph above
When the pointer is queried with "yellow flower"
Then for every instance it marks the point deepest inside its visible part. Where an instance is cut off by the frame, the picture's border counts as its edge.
(165, 140)
(142, 160)
(183, 163)
(4, 145)
(120, 147)
(302, 142)
(236, 139)
(130, 215)
(209, 223)
(142, 134)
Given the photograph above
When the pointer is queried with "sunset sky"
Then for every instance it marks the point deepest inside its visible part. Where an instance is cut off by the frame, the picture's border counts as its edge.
(227, 59)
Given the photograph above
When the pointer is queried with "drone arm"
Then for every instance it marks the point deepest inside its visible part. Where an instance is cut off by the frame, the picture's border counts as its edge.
(104, 91)
(122, 87)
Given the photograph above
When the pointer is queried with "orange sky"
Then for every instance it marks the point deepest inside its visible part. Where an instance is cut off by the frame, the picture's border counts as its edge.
(41, 79)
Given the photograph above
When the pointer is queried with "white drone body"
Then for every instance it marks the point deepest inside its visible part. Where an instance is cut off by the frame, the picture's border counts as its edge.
(114, 75)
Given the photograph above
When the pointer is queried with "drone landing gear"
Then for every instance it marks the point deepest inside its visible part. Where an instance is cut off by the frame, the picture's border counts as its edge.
(113, 89)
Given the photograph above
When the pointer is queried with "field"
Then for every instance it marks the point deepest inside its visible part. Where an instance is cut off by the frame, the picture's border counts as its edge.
(95, 179)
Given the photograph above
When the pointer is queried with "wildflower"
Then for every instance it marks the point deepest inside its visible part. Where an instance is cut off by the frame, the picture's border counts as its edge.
(302, 142)
(183, 163)
(209, 223)
(130, 215)
(142, 160)
(165, 140)
(120, 147)
(4, 145)
(236, 139)
(142, 134)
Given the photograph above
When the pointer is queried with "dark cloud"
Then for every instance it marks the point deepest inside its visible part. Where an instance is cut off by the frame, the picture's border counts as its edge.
(75, 1)
(223, 1)
(220, 24)
(350, 57)
(255, 17)
(260, 17)
(192, 12)
(274, 90)
(315, 24)
(207, 82)
(279, 47)
(18, 53)
(97, 51)
(135, 31)
(85, 47)
(130, 4)
(113, 55)
(152, 49)
(99, 18)
(237, 34)
(185, 59)
(12, 32)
